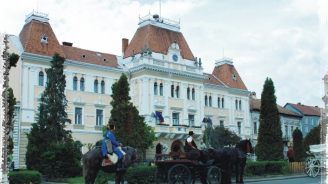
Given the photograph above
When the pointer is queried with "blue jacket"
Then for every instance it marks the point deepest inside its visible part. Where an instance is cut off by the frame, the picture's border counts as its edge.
(109, 136)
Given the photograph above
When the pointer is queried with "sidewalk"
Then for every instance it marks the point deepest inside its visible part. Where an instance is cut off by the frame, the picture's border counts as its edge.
(273, 177)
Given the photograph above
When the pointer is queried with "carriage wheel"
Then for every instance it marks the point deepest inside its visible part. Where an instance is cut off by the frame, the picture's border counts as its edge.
(312, 167)
(214, 175)
(179, 174)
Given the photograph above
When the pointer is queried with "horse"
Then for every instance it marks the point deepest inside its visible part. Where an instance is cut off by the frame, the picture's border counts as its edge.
(92, 164)
(228, 158)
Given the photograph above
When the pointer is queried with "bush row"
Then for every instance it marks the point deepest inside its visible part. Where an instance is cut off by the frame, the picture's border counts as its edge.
(24, 177)
(266, 167)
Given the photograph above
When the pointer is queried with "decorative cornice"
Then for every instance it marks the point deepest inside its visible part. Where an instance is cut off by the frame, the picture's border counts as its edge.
(68, 62)
(166, 70)
(229, 89)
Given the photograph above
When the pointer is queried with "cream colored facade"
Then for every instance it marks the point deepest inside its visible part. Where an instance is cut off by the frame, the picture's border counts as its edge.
(181, 112)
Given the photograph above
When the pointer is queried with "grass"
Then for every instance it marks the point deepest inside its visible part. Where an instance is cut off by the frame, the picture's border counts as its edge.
(75, 180)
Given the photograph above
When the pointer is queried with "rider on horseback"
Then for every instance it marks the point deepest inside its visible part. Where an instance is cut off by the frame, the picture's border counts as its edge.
(116, 146)
(190, 143)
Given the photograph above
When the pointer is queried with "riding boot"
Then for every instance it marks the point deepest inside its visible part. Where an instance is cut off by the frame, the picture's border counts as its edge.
(120, 165)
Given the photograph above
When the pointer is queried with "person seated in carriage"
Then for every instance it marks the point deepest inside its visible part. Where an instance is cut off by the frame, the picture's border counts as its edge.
(190, 143)
(110, 145)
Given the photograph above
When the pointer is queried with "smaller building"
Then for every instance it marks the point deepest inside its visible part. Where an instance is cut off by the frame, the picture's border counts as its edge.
(289, 121)
(311, 116)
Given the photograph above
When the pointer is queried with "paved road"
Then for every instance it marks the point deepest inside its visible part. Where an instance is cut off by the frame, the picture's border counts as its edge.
(304, 180)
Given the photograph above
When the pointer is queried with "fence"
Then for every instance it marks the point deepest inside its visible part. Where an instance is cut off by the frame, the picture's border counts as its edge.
(296, 167)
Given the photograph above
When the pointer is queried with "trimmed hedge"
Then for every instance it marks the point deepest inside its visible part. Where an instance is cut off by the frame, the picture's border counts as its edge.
(266, 167)
(24, 177)
(141, 174)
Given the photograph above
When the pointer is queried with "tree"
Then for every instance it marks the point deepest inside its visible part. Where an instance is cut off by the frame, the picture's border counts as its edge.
(313, 137)
(270, 145)
(11, 101)
(130, 126)
(51, 149)
(298, 148)
(219, 137)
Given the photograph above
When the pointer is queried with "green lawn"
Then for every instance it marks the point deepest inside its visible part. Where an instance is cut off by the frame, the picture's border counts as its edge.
(76, 180)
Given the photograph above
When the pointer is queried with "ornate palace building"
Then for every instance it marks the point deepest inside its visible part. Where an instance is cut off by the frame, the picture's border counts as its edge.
(167, 82)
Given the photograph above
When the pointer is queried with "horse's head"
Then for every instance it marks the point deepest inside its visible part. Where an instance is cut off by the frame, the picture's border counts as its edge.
(245, 146)
(131, 156)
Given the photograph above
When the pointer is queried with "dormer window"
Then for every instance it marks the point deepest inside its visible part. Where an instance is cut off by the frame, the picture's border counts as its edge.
(234, 77)
(44, 39)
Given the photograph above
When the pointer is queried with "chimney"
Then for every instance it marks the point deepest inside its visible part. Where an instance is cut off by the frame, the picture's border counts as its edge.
(68, 44)
(125, 44)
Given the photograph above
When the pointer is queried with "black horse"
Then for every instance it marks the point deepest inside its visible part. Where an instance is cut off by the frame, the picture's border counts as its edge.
(228, 158)
(92, 164)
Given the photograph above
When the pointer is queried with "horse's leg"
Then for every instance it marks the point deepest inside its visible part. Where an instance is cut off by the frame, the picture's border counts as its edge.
(242, 171)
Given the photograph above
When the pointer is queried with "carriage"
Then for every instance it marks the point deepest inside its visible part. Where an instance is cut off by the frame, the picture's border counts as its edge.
(175, 167)
(316, 160)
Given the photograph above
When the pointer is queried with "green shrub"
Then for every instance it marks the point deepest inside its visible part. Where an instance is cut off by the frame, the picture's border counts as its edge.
(260, 168)
(141, 174)
(103, 178)
(24, 177)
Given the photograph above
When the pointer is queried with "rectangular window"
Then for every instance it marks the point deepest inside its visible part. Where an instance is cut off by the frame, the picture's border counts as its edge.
(99, 117)
(172, 90)
(193, 94)
(188, 93)
(239, 104)
(175, 118)
(177, 92)
(191, 119)
(78, 115)
(161, 89)
(239, 127)
(222, 102)
(221, 123)
(210, 101)
(219, 103)
(236, 104)
(255, 127)
(155, 88)
(286, 131)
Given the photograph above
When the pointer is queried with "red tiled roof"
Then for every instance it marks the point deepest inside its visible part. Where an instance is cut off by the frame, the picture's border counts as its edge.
(30, 37)
(307, 110)
(87, 56)
(255, 104)
(158, 40)
(211, 79)
(225, 73)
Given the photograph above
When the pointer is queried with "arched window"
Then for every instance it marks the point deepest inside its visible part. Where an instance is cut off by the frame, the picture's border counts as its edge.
(102, 86)
(222, 103)
(95, 86)
(172, 90)
(177, 91)
(210, 101)
(239, 104)
(161, 89)
(219, 102)
(206, 104)
(193, 94)
(188, 93)
(41, 78)
(82, 84)
(74, 83)
(236, 104)
(155, 88)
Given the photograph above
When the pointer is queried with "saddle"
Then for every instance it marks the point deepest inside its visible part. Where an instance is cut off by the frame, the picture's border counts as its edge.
(112, 157)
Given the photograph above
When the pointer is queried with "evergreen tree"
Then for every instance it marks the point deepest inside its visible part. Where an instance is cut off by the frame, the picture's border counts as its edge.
(298, 148)
(131, 130)
(270, 145)
(11, 100)
(51, 149)
(313, 137)
(219, 137)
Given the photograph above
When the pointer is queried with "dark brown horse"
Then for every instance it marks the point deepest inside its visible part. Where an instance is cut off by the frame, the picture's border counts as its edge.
(229, 158)
(92, 164)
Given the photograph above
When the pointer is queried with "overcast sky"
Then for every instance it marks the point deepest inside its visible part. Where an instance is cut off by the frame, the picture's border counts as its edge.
(282, 39)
